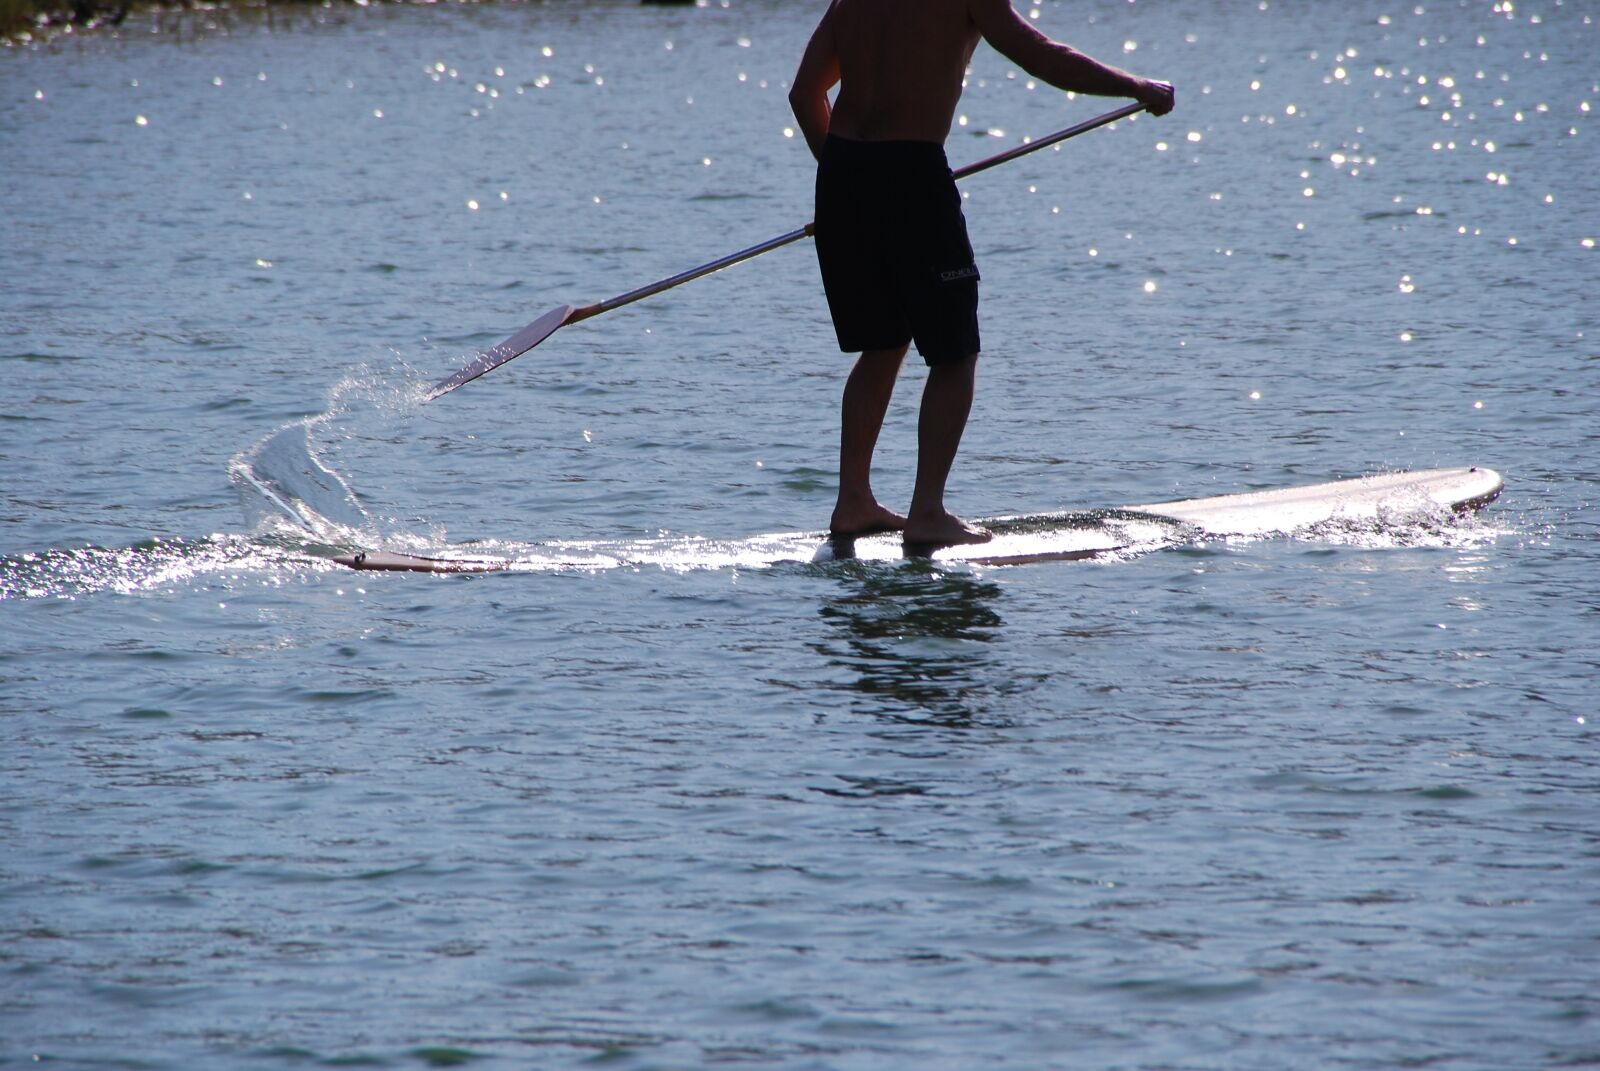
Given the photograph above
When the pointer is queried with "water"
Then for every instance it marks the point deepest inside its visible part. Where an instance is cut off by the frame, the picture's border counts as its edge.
(1325, 801)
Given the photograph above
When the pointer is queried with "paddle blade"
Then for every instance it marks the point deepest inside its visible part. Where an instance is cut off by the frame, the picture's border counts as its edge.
(515, 346)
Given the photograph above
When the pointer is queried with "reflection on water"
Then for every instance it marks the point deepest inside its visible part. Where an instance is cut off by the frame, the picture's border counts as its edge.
(916, 641)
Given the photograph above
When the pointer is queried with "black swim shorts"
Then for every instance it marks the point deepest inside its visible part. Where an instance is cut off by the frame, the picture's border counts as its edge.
(892, 244)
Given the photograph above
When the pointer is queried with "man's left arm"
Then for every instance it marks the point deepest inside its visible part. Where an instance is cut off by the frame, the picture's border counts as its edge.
(1060, 64)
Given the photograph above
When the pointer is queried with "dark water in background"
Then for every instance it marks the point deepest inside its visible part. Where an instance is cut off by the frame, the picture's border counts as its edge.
(1320, 802)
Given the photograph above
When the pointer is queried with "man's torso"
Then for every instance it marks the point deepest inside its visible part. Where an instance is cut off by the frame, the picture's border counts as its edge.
(901, 64)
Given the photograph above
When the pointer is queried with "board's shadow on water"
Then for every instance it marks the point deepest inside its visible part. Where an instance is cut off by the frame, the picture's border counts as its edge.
(914, 642)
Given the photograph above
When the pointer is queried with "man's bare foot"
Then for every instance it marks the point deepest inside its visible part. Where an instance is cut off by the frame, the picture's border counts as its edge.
(868, 519)
(943, 529)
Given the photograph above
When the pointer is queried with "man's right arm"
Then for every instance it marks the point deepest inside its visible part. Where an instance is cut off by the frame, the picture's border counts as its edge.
(818, 73)
(1061, 65)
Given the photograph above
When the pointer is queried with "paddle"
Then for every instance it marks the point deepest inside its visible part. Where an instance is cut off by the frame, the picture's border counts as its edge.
(547, 325)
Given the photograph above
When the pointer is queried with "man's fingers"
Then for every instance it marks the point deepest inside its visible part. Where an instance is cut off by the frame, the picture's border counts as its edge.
(1160, 98)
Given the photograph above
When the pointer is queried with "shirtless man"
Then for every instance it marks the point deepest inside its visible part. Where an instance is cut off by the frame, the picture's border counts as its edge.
(891, 239)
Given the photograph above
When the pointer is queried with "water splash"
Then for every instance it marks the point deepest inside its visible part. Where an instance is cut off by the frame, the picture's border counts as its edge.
(1412, 524)
(295, 502)
(286, 484)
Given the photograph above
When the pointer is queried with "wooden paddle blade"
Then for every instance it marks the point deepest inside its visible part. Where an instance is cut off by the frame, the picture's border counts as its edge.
(515, 346)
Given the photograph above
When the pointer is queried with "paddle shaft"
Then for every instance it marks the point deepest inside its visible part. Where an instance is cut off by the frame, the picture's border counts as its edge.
(586, 311)
(536, 332)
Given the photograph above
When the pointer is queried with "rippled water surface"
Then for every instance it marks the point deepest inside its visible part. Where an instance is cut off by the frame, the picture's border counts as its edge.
(1319, 801)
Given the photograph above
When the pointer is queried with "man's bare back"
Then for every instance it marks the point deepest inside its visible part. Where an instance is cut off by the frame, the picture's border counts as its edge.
(900, 65)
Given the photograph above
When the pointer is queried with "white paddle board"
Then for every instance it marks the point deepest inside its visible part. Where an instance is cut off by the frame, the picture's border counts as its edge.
(1396, 497)
(1364, 500)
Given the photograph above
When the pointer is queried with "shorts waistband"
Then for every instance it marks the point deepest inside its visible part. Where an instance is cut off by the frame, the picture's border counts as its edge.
(903, 152)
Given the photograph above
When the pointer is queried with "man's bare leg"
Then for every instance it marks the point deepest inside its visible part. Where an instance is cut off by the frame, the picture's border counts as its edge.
(866, 400)
(946, 401)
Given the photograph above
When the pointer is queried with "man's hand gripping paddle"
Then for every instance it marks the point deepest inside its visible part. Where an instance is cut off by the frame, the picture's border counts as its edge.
(547, 325)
